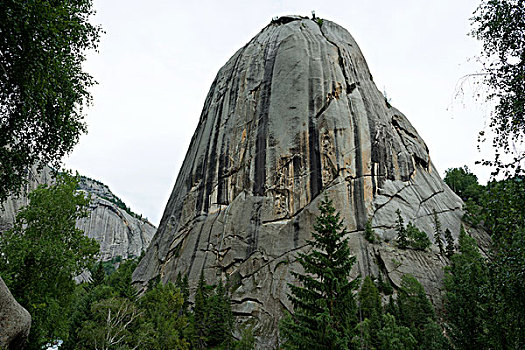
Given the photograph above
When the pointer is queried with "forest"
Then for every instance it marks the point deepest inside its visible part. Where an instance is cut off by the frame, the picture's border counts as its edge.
(483, 303)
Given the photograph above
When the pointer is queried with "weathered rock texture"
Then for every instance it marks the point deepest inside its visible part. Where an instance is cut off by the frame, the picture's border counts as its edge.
(293, 116)
(119, 231)
(15, 321)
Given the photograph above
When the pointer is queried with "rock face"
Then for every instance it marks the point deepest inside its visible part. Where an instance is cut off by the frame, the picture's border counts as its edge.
(15, 321)
(119, 231)
(292, 117)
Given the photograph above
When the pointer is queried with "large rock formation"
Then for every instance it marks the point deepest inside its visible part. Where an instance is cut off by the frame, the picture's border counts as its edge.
(15, 321)
(292, 117)
(120, 232)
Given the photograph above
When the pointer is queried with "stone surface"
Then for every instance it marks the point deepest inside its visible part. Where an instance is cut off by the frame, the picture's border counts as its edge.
(15, 321)
(119, 231)
(293, 116)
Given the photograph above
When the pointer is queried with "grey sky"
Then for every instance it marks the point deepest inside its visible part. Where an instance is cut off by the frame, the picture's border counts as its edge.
(158, 59)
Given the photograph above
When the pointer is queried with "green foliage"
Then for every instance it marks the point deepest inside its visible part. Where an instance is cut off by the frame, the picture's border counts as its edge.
(212, 317)
(247, 341)
(384, 286)
(438, 232)
(402, 236)
(370, 234)
(464, 299)
(414, 309)
(114, 325)
(42, 85)
(42, 253)
(164, 320)
(463, 182)
(499, 25)
(370, 311)
(417, 239)
(450, 243)
(324, 306)
(410, 236)
(395, 337)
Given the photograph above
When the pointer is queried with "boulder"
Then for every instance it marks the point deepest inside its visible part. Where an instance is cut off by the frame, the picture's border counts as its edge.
(15, 321)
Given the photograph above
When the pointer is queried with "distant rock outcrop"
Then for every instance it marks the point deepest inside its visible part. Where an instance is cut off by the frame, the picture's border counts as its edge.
(15, 321)
(120, 232)
(292, 117)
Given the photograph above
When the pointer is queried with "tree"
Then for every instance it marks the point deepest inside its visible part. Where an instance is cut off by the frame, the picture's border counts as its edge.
(324, 306)
(465, 301)
(395, 337)
(463, 182)
(114, 325)
(402, 238)
(500, 26)
(164, 319)
(438, 232)
(414, 308)
(370, 235)
(220, 318)
(42, 85)
(370, 311)
(417, 239)
(450, 243)
(42, 253)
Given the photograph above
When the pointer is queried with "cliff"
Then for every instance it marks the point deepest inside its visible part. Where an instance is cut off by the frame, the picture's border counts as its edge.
(292, 117)
(119, 231)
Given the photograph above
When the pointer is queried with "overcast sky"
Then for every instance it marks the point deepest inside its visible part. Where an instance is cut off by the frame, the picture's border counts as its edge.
(158, 59)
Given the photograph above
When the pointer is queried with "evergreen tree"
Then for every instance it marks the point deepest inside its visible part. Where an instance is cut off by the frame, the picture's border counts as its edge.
(438, 232)
(370, 311)
(450, 242)
(393, 336)
(417, 239)
(324, 306)
(163, 319)
(98, 275)
(414, 309)
(370, 235)
(183, 285)
(402, 238)
(465, 309)
(220, 318)
(200, 314)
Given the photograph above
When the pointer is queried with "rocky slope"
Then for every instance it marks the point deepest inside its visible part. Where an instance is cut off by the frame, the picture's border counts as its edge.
(292, 117)
(120, 232)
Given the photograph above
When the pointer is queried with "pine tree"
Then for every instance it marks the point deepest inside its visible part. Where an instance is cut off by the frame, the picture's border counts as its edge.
(183, 284)
(370, 310)
(402, 238)
(416, 312)
(438, 232)
(393, 336)
(324, 306)
(450, 242)
(370, 235)
(417, 239)
(200, 314)
(220, 318)
(464, 302)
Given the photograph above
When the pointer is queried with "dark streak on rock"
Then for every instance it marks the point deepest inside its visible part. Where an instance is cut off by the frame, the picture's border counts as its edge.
(313, 144)
(194, 253)
(270, 53)
(296, 230)
(255, 221)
